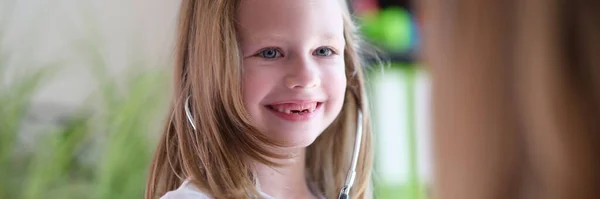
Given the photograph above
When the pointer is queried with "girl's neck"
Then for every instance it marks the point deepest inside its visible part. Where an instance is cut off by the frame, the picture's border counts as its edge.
(287, 181)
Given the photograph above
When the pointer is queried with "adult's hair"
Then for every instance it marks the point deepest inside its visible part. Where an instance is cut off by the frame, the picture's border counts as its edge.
(516, 97)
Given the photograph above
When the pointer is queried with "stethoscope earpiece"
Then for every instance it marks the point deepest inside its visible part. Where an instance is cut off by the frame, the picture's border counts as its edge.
(188, 114)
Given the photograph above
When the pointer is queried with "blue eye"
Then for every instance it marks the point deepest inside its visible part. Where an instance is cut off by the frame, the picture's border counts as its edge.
(323, 51)
(270, 53)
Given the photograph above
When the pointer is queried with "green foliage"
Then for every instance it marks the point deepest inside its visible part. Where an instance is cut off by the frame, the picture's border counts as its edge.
(100, 151)
(116, 138)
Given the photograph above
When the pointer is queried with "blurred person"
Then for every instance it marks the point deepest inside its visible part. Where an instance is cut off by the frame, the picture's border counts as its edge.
(266, 100)
(516, 97)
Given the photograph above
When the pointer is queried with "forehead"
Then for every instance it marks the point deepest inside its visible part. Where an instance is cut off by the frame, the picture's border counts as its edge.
(289, 18)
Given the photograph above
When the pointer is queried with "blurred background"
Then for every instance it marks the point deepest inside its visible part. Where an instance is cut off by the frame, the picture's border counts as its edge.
(84, 87)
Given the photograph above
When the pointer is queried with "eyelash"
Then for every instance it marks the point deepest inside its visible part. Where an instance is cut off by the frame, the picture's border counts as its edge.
(279, 54)
(333, 52)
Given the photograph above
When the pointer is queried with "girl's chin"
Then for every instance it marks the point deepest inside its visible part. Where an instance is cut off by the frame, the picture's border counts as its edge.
(296, 141)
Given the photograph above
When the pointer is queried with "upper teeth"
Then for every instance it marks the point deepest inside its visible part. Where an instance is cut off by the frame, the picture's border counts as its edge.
(289, 107)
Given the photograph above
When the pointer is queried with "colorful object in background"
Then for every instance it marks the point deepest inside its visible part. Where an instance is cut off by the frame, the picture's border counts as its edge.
(362, 6)
(391, 29)
(414, 34)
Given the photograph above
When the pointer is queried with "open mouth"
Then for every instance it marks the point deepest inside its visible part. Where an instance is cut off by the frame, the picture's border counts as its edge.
(295, 108)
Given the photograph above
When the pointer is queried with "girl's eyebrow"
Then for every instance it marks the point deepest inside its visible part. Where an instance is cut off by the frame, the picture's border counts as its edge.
(332, 38)
(255, 41)
(266, 37)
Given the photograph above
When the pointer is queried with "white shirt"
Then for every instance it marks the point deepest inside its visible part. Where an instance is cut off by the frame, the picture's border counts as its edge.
(188, 191)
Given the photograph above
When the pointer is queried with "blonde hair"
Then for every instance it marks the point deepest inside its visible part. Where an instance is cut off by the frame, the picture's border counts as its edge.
(516, 91)
(215, 157)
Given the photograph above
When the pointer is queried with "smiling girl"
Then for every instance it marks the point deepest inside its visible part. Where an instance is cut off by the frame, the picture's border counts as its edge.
(272, 90)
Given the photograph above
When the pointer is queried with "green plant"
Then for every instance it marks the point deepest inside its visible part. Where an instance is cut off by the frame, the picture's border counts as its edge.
(16, 91)
(100, 151)
(118, 138)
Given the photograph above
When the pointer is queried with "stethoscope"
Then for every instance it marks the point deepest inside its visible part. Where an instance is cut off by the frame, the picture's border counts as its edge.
(345, 191)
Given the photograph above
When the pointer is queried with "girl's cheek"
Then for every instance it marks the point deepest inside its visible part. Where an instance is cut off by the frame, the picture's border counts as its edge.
(258, 80)
(335, 79)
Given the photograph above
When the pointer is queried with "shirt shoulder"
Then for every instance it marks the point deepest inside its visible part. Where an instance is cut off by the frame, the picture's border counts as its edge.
(186, 191)
(182, 194)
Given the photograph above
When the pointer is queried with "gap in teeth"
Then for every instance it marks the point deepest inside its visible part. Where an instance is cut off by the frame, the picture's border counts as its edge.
(299, 111)
(306, 109)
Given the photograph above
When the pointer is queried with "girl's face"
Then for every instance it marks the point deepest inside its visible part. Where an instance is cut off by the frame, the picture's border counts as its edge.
(293, 61)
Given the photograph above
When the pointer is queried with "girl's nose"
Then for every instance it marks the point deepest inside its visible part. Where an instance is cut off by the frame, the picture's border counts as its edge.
(303, 73)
